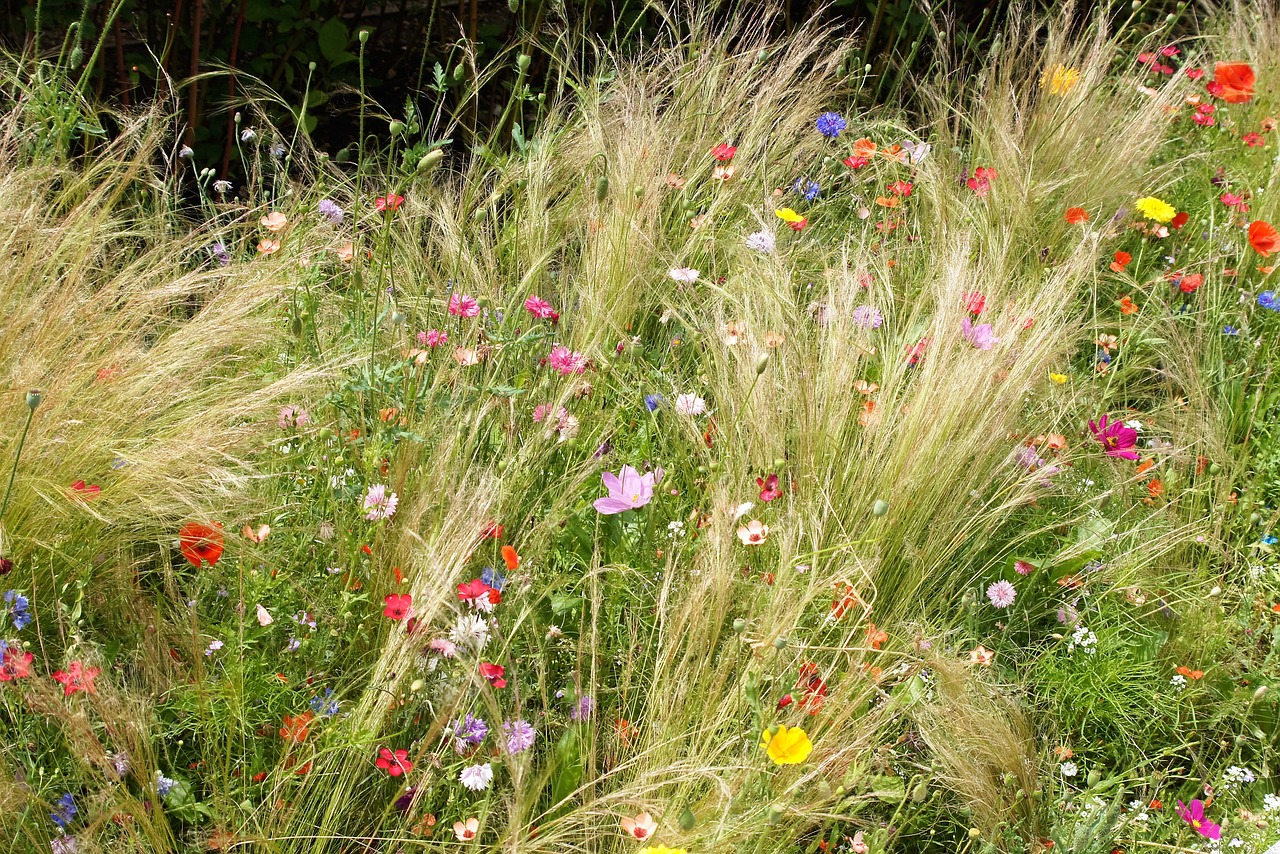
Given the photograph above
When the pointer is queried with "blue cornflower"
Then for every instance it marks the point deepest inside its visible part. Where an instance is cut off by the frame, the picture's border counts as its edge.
(808, 189)
(1267, 299)
(325, 705)
(65, 812)
(830, 124)
(493, 578)
(18, 605)
(164, 785)
(653, 401)
(1269, 540)
(1230, 330)
(329, 210)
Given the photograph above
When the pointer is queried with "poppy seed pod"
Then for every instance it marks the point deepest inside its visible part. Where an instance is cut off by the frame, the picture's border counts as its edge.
(363, 36)
(33, 400)
(739, 625)
(522, 62)
(775, 813)
(880, 508)
(430, 161)
(602, 188)
(780, 643)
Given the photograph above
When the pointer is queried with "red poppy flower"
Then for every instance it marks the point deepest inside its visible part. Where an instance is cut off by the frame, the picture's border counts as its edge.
(76, 677)
(15, 664)
(769, 487)
(512, 559)
(1077, 216)
(1263, 237)
(296, 729)
(1236, 80)
(1189, 284)
(1121, 261)
(389, 202)
(397, 605)
(200, 542)
(1179, 219)
(493, 672)
(472, 590)
(854, 162)
(492, 531)
(86, 491)
(1253, 139)
(1127, 305)
(724, 152)
(394, 763)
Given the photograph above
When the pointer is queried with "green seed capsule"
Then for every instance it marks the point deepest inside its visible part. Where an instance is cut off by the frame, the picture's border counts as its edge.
(602, 188)
(880, 508)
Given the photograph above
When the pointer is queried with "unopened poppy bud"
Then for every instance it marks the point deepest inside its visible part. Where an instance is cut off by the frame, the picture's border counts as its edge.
(780, 643)
(1214, 468)
(430, 161)
(33, 400)
(480, 214)
(77, 56)
(602, 188)
(775, 813)
(920, 792)
(1095, 777)
(363, 36)
(397, 318)
(513, 6)
(417, 685)
(739, 625)
(880, 508)
(1262, 689)
(639, 192)
(311, 66)
(522, 62)
(762, 362)
(458, 71)
(688, 820)
(396, 127)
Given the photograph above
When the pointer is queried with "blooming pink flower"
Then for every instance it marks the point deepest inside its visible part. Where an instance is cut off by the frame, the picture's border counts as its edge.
(463, 305)
(379, 503)
(982, 336)
(541, 309)
(1193, 814)
(628, 492)
(975, 302)
(394, 763)
(566, 361)
(1117, 440)
(769, 488)
(433, 338)
(1001, 594)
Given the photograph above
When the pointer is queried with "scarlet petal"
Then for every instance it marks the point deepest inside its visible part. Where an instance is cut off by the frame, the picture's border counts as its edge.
(1263, 237)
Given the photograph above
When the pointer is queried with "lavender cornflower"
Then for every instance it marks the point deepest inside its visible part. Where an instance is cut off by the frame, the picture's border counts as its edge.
(164, 785)
(219, 252)
(468, 732)
(762, 241)
(520, 736)
(867, 316)
(582, 709)
(329, 210)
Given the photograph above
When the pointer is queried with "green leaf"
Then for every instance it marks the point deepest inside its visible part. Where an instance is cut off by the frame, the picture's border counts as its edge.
(333, 37)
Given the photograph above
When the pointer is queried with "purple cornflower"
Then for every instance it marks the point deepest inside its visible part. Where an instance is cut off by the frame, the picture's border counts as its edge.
(867, 316)
(1001, 594)
(830, 124)
(219, 252)
(582, 709)
(468, 732)
(520, 736)
(329, 210)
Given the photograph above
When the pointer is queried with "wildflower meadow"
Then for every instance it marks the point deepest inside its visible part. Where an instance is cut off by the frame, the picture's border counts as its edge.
(730, 450)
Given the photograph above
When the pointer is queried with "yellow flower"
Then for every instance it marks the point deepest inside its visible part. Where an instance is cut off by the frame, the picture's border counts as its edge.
(1154, 209)
(662, 849)
(1057, 379)
(788, 215)
(789, 746)
(1060, 79)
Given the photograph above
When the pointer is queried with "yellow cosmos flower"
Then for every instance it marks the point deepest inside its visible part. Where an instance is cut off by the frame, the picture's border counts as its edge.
(1057, 379)
(788, 215)
(1060, 79)
(1155, 209)
(790, 746)
(662, 849)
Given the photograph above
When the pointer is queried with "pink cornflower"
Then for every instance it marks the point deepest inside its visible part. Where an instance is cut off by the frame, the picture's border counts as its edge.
(463, 305)
(1117, 440)
(433, 338)
(566, 361)
(379, 503)
(445, 647)
(1001, 594)
(541, 309)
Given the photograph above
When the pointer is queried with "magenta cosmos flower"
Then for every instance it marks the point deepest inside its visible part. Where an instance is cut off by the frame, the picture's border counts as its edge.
(1117, 440)
(628, 490)
(1193, 814)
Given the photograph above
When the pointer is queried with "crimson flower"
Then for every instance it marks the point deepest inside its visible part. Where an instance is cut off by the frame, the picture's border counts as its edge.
(397, 605)
(394, 763)
(724, 152)
(1193, 814)
(472, 590)
(200, 542)
(84, 490)
(493, 672)
(76, 677)
(16, 664)
(769, 487)
(390, 202)
(1117, 440)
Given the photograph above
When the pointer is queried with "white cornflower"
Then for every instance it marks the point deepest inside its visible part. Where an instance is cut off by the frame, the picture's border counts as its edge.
(1069, 769)
(470, 631)
(476, 777)
(690, 404)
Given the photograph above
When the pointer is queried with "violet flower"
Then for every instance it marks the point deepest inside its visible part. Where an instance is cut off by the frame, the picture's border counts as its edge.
(628, 490)
(1116, 439)
(1193, 814)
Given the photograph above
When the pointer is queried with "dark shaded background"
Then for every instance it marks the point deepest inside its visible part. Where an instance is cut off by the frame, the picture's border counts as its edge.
(153, 41)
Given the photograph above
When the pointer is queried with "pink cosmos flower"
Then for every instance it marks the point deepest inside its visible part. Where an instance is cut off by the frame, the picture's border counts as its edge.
(982, 336)
(628, 490)
(1193, 814)
(541, 309)
(566, 361)
(1117, 440)
(463, 305)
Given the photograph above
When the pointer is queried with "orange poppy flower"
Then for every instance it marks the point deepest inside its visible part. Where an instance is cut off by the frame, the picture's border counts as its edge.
(1183, 670)
(1236, 80)
(296, 729)
(864, 148)
(1263, 237)
(1155, 487)
(875, 636)
(1121, 261)
(199, 542)
(1077, 216)
(1127, 305)
(512, 559)
(1145, 466)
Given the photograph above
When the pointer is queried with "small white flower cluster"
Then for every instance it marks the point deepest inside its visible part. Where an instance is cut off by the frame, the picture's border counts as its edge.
(675, 529)
(1271, 803)
(1178, 681)
(1139, 810)
(1084, 640)
(1236, 776)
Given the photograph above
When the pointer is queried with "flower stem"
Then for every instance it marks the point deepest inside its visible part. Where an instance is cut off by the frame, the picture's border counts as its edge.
(14, 469)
